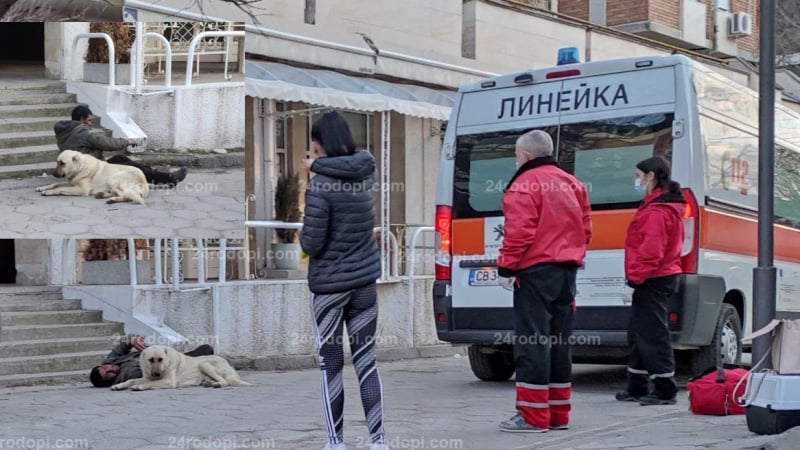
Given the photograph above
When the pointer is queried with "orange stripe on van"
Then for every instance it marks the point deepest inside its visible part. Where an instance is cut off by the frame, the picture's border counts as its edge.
(734, 234)
(609, 229)
(468, 236)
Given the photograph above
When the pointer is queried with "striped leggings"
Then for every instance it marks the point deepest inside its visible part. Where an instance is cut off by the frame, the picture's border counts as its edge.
(357, 308)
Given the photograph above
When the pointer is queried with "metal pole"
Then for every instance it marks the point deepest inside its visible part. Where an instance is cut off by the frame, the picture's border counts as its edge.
(765, 274)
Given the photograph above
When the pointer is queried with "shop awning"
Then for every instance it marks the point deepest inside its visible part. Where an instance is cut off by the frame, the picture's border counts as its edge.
(286, 83)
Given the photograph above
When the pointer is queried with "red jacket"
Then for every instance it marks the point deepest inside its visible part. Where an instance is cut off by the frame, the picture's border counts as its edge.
(547, 218)
(655, 238)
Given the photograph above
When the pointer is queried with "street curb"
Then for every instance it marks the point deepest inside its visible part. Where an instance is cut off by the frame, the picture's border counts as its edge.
(210, 161)
(302, 362)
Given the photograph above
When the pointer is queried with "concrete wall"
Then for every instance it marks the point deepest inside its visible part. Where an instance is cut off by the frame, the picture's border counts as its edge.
(203, 117)
(255, 319)
(33, 262)
(58, 37)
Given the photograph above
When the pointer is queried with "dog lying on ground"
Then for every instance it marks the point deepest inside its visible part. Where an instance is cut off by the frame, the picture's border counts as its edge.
(166, 368)
(88, 175)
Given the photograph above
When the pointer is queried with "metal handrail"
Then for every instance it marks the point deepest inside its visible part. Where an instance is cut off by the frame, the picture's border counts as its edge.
(168, 57)
(193, 44)
(276, 224)
(111, 60)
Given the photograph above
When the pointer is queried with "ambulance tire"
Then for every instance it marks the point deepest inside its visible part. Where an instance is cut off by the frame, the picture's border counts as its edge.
(495, 365)
(726, 342)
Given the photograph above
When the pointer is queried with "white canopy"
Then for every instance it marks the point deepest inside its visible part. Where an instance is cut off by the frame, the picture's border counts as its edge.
(328, 88)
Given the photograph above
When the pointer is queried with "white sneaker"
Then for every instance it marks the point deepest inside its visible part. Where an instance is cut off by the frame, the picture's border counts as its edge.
(378, 447)
(339, 446)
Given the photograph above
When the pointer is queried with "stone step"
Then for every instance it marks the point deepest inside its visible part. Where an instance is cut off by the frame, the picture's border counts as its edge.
(25, 124)
(26, 170)
(37, 96)
(34, 84)
(39, 332)
(30, 155)
(39, 305)
(49, 347)
(82, 316)
(56, 110)
(63, 362)
(13, 293)
(51, 378)
(27, 139)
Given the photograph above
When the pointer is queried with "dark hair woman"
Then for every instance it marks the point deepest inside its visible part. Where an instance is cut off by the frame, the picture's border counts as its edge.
(343, 268)
(652, 264)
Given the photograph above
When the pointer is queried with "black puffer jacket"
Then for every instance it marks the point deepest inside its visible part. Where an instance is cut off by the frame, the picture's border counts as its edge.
(337, 229)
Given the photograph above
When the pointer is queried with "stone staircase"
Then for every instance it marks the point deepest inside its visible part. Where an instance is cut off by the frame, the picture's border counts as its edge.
(46, 339)
(27, 114)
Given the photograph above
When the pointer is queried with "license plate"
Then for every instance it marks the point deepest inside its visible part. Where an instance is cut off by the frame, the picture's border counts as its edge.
(483, 277)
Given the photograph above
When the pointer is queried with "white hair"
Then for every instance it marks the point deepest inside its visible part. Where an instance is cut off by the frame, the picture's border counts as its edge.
(535, 144)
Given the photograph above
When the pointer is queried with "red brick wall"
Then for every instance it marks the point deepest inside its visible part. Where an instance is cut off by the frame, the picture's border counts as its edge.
(574, 8)
(623, 12)
(666, 12)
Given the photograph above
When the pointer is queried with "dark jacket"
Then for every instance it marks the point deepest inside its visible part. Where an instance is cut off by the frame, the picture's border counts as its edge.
(73, 135)
(655, 238)
(127, 360)
(547, 218)
(338, 226)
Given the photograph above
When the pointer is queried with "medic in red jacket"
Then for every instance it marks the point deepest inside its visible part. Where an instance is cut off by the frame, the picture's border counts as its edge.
(542, 206)
(655, 237)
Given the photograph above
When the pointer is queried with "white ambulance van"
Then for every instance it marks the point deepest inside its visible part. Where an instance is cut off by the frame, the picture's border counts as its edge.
(605, 117)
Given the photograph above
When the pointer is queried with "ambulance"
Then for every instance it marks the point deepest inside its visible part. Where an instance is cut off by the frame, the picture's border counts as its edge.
(604, 117)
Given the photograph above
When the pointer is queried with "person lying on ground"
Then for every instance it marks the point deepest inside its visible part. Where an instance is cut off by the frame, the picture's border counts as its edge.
(122, 364)
(77, 134)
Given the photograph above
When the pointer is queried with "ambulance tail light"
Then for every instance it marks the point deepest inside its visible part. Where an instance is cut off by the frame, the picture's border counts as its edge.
(691, 233)
(443, 258)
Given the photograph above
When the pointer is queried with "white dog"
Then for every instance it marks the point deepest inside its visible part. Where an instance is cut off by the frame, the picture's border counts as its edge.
(166, 368)
(88, 175)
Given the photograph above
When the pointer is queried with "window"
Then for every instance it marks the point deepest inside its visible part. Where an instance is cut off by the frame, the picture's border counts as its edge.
(603, 155)
(359, 124)
(787, 187)
(484, 164)
(731, 164)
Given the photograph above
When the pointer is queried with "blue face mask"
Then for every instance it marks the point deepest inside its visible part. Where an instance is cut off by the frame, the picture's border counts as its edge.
(637, 185)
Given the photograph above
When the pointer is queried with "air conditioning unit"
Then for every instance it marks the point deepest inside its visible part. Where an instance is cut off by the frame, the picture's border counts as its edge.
(740, 24)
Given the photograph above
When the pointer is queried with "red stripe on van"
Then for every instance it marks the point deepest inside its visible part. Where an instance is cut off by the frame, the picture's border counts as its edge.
(734, 234)
(468, 236)
(609, 229)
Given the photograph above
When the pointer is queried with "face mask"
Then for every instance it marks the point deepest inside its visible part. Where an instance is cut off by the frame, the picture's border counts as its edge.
(637, 185)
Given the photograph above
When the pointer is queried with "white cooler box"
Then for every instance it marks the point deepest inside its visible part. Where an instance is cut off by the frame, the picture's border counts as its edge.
(776, 405)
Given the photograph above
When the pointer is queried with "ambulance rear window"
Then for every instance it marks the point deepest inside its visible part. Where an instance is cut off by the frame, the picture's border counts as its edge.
(602, 154)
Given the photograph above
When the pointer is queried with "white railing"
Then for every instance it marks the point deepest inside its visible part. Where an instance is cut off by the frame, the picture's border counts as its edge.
(412, 258)
(111, 60)
(275, 224)
(168, 57)
(193, 45)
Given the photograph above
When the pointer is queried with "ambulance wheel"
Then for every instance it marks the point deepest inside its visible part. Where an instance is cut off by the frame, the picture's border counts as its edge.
(491, 364)
(727, 341)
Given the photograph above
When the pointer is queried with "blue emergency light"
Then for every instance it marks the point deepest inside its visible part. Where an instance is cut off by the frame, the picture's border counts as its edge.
(568, 55)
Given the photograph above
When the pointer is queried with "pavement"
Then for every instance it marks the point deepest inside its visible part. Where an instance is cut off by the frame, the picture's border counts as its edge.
(429, 403)
(209, 203)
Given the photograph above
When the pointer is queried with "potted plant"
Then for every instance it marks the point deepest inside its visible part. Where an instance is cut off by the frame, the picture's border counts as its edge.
(96, 68)
(286, 252)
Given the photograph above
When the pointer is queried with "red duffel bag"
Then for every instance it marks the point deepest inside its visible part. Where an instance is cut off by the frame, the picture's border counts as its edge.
(711, 393)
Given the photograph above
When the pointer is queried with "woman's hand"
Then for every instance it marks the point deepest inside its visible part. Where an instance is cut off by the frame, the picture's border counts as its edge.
(307, 163)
